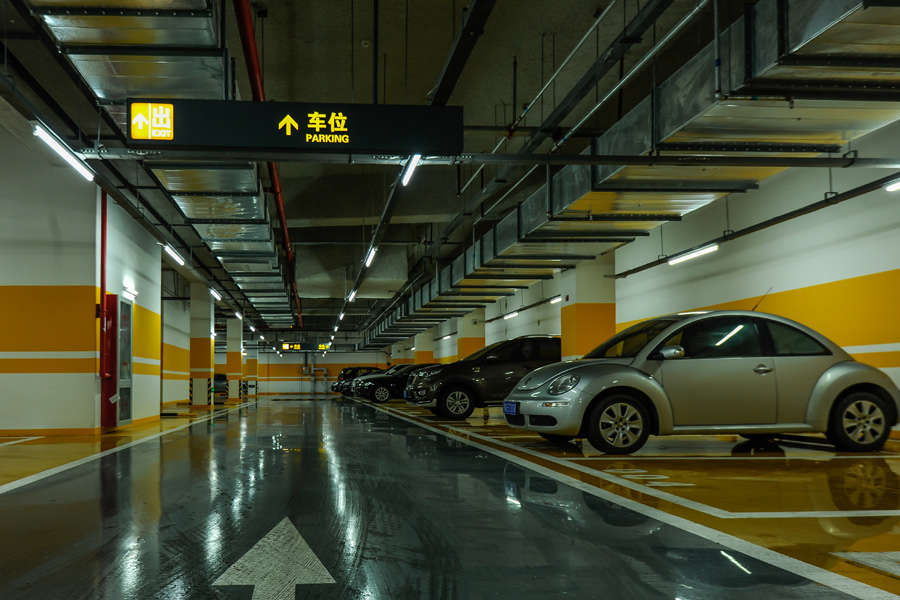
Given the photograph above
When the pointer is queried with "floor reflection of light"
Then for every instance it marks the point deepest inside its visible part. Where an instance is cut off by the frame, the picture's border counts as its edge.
(131, 565)
(213, 545)
(735, 562)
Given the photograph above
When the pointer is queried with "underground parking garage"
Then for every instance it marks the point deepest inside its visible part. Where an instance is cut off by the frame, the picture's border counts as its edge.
(450, 299)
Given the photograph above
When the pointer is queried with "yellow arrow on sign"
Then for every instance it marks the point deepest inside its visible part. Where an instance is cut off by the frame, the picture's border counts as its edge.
(287, 123)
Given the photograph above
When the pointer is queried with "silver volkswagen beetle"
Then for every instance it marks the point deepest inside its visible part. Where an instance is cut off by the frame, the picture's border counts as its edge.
(711, 372)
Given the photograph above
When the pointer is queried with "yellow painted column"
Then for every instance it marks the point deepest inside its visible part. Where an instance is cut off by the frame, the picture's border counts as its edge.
(233, 359)
(203, 362)
(424, 348)
(251, 372)
(470, 333)
(588, 310)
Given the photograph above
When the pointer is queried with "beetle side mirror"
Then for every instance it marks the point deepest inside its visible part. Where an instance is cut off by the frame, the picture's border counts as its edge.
(670, 352)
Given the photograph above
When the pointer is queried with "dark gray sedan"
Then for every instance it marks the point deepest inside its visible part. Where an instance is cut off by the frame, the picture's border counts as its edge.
(712, 372)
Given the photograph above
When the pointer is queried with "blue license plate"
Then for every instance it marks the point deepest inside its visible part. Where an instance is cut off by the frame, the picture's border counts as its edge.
(510, 408)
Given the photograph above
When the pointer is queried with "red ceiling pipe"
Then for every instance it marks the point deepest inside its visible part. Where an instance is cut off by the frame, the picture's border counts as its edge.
(251, 58)
(104, 348)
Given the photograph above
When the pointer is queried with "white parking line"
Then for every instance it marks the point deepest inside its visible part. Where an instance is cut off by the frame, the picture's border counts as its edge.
(28, 439)
(833, 580)
(686, 457)
(672, 498)
(14, 485)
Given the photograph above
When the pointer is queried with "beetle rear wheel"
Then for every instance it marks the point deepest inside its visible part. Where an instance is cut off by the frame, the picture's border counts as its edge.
(859, 423)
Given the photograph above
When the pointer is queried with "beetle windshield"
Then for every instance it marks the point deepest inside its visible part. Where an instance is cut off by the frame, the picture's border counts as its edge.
(627, 343)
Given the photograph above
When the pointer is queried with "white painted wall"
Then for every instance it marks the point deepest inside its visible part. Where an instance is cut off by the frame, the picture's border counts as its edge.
(446, 348)
(855, 238)
(543, 319)
(47, 239)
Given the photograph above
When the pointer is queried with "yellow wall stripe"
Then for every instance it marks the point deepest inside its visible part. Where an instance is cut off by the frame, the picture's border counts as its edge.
(858, 311)
(882, 360)
(36, 324)
(145, 369)
(48, 365)
(147, 334)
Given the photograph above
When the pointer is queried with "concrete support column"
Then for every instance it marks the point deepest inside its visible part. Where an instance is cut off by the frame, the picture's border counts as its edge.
(470, 333)
(424, 347)
(588, 312)
(251, 371)
(202, 346)
(234, 369)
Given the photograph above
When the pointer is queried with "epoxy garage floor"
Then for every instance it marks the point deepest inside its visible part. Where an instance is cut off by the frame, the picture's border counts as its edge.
(332, 498)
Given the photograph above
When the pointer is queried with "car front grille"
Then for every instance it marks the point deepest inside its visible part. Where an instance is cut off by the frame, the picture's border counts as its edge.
(515, 419)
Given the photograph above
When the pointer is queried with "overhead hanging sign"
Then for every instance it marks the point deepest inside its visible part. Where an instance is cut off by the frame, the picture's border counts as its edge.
(305, 346)
(302, 127)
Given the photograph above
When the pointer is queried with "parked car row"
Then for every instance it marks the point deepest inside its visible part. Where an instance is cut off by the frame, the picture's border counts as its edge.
(347, 375)
(376, 384)
(705, 372)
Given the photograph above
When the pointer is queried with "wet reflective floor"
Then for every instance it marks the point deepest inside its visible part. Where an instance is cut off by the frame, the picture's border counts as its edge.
(338, 499)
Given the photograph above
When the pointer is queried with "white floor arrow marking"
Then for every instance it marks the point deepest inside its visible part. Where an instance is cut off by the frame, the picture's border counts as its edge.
(889, 562)
(276, 565)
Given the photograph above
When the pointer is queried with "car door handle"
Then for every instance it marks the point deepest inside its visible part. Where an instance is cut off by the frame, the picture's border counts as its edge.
(762, 369)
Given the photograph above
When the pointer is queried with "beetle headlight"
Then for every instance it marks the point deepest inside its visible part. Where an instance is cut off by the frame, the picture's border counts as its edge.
(563, 383)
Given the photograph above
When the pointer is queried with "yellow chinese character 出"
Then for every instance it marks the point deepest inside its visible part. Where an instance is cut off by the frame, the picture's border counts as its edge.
(338, 122)
(316, 121)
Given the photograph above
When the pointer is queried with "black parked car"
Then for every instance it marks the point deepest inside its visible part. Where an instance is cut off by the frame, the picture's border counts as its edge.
(381, 387)
(489, 375)
(346, 377)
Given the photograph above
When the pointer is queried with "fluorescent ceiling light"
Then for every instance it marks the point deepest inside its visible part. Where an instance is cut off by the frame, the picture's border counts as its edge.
(335, 327)
(555, 300)
(239, 316)
(64, 153)
(446, 337)
(410, 167)
(728, 337)
(371, 255)
(892, 187)
(694, 254)
(510, 315)
(262, 338)
(341, 317)
(215, 294)
(171, 252)
(352, 296)
(332, 337)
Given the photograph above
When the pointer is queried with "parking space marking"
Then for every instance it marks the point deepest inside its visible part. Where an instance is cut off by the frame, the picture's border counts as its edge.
(28, 439)
(754, 458)
(835, 581)
(14, 485)
(647, 489)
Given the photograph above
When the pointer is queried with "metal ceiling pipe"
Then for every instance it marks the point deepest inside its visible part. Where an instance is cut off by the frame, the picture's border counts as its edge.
(251, 58)
(104, 346)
